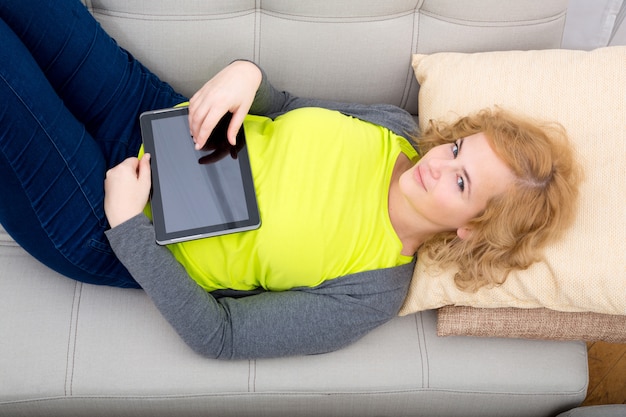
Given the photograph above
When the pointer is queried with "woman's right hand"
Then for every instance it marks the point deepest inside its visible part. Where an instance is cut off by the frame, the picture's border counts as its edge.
(127, 189)
(231, 90)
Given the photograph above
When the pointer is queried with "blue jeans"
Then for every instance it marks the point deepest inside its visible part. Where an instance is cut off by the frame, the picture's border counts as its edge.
(70, 101)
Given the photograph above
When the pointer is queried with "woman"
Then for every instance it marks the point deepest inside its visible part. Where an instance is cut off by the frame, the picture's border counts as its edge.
(344, 202)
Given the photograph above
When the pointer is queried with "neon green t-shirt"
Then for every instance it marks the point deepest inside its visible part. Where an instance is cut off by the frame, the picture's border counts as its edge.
(322, 183)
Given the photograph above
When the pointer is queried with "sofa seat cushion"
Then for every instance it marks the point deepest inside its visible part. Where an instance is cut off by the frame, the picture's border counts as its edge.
(77, 349)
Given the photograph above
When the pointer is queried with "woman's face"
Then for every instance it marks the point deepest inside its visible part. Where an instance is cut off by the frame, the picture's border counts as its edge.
(452, 183)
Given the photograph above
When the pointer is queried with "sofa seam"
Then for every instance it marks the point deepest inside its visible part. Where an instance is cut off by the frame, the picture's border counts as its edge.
(426, 366)
(423, 353)
(72, 341)
(252, 376)
(410, 76)
(337, 19)
(496, 23)
(257, 31)
(171, 17)
(620, 16)
(296, 394)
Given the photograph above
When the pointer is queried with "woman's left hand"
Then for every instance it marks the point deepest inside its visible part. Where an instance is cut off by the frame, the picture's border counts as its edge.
(231, 90)
(127, 189)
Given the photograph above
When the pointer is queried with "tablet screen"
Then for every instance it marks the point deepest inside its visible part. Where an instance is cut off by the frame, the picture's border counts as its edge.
(197, 193)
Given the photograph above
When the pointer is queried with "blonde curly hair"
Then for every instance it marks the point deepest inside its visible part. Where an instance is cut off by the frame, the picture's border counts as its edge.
(516, 225)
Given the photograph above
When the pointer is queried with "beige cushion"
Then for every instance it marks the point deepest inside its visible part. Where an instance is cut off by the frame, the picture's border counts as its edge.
(586, 92)
(533, 323)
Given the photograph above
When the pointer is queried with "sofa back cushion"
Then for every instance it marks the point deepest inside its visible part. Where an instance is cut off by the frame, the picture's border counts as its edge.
(369, 60)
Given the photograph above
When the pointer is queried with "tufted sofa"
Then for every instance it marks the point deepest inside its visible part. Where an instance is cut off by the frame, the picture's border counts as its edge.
(71, 349)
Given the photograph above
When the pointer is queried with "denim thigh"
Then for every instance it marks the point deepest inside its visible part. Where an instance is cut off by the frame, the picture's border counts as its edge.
(71, 99)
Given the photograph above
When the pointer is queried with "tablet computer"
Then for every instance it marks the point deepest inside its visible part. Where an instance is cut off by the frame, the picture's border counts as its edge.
(197, 194)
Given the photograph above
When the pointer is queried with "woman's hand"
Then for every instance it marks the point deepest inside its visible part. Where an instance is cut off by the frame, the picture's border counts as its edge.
(231, 90)
(127, 189)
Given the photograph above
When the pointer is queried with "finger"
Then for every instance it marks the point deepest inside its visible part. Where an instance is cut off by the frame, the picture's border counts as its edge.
(134, 164)
(234, 126)
(126, 164)
(208, 124)
(195, 117)
(197, 113)
(201, 105)
(144, 168)
(131, 161)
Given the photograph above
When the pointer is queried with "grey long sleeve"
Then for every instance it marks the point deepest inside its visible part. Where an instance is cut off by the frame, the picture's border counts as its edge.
(269, 324)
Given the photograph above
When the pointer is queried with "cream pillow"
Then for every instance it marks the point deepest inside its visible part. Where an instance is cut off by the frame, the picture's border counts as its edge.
(584, 91)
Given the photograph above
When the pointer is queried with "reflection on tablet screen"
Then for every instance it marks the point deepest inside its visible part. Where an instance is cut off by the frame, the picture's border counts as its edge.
(194, 194)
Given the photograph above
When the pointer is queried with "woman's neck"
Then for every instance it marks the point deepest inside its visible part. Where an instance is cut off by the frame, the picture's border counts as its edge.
(406, 226)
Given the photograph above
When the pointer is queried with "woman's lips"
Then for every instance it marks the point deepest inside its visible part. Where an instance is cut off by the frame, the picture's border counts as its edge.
(418, 176)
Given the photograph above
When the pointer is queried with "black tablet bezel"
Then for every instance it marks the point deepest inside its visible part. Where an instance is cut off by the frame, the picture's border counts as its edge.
(163, 237)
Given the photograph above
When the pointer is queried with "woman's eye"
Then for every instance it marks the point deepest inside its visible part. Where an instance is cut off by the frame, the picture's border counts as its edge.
(455, 150)
(460, 183)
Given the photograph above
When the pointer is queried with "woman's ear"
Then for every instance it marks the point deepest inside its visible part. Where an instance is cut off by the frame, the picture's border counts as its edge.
(463, 232)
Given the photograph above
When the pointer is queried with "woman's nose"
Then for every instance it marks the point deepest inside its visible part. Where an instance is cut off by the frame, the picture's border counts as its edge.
(437, 166)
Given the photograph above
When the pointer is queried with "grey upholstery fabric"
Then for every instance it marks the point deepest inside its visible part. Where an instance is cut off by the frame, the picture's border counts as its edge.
(70, 349)
(616, 410)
